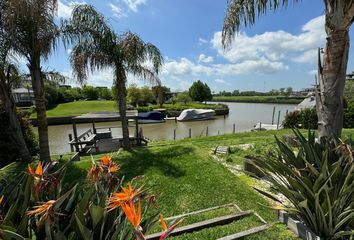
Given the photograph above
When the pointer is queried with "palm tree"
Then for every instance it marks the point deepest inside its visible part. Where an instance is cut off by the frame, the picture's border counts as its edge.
(9, 76)
(339, 17)
(33, 34)
(97, 47)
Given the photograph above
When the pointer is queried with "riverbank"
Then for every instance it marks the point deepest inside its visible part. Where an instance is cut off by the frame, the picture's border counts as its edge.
(259, 99)
(82, 107)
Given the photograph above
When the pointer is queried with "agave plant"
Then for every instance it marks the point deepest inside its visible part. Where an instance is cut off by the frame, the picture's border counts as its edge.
(318, 181)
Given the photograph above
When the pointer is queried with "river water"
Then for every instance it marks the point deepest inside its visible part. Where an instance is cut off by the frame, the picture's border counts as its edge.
(243, 115)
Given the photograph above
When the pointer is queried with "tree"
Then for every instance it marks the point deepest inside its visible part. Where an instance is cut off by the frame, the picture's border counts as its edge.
(33, 33)
(339, 16)
(183, 97)
(160, 94)
(90, 92)
(288, 91)
(97, 46)
(146, 96)
(200, 92)
(8, 76)
(134, 95)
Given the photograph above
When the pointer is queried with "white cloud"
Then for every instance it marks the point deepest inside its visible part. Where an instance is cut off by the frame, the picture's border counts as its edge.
(218, 80)
(275, 46)
(202, 41)
(133, 5)
(65, 8)
(205, 59)
(186, 67)
(117, 11)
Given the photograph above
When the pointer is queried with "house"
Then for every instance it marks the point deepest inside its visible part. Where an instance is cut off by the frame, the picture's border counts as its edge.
(23, 96)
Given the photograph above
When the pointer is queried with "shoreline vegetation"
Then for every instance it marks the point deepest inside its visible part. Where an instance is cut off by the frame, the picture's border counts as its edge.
(259, 99)
(81, 107)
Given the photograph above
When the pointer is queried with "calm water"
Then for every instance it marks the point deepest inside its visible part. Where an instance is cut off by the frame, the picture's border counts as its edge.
(243, 115)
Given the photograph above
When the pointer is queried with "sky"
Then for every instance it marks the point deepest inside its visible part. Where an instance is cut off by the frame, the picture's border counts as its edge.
(280, 50)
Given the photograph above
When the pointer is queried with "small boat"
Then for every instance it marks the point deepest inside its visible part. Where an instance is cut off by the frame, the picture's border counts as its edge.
(264, 127)
(151, 117)
(196, 114)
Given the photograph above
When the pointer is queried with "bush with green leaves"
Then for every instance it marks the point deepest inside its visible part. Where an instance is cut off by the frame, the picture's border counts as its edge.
(305, 118)
(349, 116)
(317, 179)
(200, 92)
(7, 149)
(90, 92)
(36, 205)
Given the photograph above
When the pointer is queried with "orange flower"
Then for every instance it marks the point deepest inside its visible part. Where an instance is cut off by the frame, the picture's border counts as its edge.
(167, 230)
(133, 215)
(106, 160)
(1, 199)
(163, 223)
(38, 173)
(46, 211)
(113, 168)
(117, 199)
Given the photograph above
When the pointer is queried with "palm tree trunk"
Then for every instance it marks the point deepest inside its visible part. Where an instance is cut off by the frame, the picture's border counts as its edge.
(122, 105)
(14, 127)
(38, 87)
(332, 82)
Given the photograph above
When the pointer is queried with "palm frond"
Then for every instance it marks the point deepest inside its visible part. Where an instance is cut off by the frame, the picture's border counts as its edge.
(87, 57)
(244, 12)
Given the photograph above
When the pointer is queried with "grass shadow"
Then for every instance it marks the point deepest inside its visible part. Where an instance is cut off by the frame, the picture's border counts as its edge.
(142, 160)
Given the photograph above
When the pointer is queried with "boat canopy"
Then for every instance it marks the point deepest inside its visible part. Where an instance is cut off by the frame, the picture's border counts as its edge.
(195, 114)
(153, 115)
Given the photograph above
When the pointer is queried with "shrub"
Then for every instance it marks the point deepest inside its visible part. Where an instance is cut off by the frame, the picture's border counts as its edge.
(90, 92)
(35, 206)
(306, 119)
(51, 94)
(318, 180)
(349, 116)
(105, 93)
(7, 149)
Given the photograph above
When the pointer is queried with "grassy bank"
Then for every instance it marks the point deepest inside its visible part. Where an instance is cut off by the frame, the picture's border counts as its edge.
(185, 176)
(259, 99)
(82, 107)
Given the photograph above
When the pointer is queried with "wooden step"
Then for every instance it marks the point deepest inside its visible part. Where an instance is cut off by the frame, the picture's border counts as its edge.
(202, 225)
(241, 235)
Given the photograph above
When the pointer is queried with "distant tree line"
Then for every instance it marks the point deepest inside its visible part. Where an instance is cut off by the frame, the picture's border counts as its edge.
(274, 92)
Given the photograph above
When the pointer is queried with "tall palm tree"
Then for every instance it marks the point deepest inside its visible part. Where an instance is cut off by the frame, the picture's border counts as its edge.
(33, 34)
(9, 76)
(97, 46)
(339, 16)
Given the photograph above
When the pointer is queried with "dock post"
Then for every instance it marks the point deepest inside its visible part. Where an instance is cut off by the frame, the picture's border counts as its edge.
(207, 131)
(94, 127)
(260, 126)
(234, 128)
(175, 119)
(70, 139)
(190, 133)
(138, 139)
(174, 134)
(218, 132)
(278, 120)
(75, 136)
(273, 115)
(287, 111)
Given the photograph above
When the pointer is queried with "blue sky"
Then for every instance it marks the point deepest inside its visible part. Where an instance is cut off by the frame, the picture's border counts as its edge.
(279, 51)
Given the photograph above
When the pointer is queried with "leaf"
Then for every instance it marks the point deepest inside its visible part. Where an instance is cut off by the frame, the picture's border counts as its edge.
(85, 232)
(12, 235)
(267, 195)
(96, 213)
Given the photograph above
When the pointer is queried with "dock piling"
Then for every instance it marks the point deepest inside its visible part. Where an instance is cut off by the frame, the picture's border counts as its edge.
(174, 134)
(273, 115)
(207, 131)
(234, 128)
(190, 133)
(278, 120)
(70, 139)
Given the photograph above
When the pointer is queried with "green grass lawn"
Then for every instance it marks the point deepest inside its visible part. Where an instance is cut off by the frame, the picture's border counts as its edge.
(259, 99)
(81, 107)
(185, 177)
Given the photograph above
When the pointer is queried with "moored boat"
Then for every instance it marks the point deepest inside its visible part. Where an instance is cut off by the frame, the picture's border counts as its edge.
(151, 117)
(195, 114)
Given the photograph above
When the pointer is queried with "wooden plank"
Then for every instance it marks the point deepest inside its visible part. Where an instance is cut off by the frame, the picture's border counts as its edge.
(246, 233)
(230, 205)
(202, 225)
